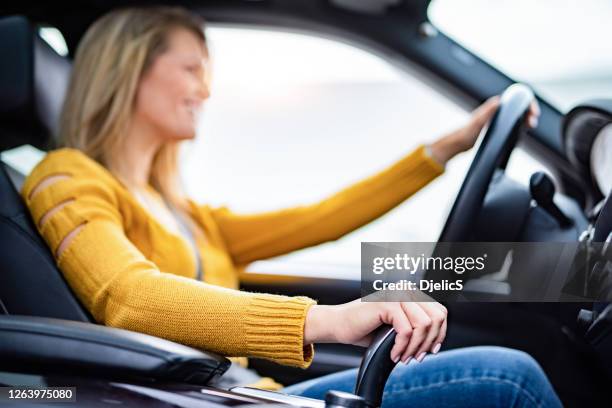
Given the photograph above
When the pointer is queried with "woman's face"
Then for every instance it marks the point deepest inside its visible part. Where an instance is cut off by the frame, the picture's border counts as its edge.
(173, 89)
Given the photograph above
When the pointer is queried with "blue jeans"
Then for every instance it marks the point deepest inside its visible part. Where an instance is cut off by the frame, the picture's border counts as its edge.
(470, 377)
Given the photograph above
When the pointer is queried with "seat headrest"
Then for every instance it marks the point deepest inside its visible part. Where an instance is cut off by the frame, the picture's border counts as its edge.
(581, 126)
(34, 80)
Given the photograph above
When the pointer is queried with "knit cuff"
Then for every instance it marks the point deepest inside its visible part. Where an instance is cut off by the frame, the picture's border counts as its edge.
(275, 329)
(424, 151)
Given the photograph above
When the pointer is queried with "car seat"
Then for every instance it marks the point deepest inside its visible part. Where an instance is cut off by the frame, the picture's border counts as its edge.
(33, 79)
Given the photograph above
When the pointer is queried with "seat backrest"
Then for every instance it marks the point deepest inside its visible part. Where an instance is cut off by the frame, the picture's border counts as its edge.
(33, 79)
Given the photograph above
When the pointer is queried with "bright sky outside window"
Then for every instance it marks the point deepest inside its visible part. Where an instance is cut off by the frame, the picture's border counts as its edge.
(560, 47)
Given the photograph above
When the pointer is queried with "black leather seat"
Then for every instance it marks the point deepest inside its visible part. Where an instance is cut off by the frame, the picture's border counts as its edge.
(33, 79)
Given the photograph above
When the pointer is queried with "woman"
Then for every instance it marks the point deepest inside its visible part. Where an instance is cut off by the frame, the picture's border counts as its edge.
(142, 256)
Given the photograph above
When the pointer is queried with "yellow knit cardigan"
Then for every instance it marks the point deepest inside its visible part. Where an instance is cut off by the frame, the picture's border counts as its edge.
(131, 272)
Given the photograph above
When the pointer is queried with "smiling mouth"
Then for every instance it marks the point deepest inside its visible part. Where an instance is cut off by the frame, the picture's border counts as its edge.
(192, 104)
(193, 107)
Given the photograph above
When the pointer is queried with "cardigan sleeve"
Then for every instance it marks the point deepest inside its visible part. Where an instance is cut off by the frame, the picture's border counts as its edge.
(121, 288)
(258, 236)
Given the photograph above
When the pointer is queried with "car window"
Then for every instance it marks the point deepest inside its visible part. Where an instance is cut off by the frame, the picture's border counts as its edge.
(559, 47)
(294, 117)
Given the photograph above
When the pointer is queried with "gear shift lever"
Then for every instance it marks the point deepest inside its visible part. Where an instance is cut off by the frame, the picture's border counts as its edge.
(542, 191)
(373, 374)
(376, 366)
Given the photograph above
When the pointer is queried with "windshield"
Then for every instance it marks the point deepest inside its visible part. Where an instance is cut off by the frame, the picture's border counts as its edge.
(562, 48)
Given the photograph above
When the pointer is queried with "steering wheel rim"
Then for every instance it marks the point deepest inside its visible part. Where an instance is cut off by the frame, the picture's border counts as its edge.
(493, 153)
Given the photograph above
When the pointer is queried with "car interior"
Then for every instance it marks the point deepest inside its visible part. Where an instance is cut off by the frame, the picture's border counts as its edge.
(44, 330)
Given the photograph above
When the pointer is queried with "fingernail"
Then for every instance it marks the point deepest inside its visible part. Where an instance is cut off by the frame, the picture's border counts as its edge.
(533, 122)
(408, 360)
(436, 348)
(395, 359)
(421, 356)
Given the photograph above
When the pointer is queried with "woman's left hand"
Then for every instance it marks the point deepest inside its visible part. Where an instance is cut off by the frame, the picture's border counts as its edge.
(464, 138)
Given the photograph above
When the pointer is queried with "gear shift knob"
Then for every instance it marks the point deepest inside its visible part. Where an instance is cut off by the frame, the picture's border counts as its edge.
(542, 191)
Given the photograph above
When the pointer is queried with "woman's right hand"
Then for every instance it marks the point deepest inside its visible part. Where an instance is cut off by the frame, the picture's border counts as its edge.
(420, 326)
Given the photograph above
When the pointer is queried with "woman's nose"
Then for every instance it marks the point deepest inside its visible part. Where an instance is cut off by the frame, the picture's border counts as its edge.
(203, 91)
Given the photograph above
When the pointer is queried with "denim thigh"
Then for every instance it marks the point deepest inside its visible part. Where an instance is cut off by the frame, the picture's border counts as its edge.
(484, 376)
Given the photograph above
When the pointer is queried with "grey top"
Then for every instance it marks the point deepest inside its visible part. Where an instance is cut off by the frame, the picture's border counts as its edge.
(187, 234)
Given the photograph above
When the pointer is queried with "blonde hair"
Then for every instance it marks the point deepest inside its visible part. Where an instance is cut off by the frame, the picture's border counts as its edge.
(110, 60)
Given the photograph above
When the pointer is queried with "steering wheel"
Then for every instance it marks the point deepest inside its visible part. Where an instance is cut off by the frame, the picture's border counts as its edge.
(493, 154)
